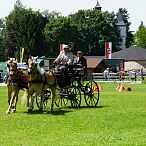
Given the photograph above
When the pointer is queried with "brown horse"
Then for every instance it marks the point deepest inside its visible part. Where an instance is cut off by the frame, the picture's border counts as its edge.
(17, 79)
(39, 80)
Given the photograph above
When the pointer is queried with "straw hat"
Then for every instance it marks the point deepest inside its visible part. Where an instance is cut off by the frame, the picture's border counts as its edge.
(66, 47)
(79, 52)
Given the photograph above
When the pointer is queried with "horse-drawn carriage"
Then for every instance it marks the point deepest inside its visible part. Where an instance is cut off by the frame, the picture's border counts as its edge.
(72, 87)
(45, 85)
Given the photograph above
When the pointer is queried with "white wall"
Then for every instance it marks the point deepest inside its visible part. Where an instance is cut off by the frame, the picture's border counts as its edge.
(135, 65)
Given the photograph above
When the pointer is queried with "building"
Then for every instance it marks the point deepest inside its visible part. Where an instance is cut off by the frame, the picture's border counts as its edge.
(135, 58)
(98, 7)
(122, 27)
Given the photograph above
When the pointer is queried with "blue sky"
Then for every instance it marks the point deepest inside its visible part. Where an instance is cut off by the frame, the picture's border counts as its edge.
(135, 8)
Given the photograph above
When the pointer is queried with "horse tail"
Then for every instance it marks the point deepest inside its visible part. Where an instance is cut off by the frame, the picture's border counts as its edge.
(25, 97)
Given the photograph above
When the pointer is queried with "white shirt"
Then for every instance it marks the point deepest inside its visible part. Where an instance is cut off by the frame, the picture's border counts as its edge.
(65, 58)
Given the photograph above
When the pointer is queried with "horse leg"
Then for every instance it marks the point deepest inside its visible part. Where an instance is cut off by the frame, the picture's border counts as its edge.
(53, 97)
(31, 101)
(15, 102)
(11, 104)
(42, 100)
(9, 94)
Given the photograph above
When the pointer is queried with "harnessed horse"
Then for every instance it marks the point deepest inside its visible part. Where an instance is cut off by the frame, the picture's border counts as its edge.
(38, 82)
(17, 79)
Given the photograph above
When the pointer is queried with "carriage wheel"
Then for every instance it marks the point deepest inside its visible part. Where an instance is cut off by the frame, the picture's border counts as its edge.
(75, 97)
(45, 100)
(91, 94)
(61, 101)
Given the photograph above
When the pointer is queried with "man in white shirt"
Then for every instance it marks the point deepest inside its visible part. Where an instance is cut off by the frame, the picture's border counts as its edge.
(64, 60)
(65, 57)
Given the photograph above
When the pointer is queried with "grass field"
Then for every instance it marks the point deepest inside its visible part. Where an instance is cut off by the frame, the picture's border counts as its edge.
(119, 119)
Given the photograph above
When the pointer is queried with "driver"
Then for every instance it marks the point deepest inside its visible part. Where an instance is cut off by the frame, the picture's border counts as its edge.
(65, 58)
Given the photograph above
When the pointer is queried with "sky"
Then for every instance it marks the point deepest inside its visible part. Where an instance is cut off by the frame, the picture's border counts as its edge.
(135, 8)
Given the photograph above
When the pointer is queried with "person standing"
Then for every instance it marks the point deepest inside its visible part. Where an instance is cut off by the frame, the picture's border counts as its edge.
(142, 75)
(121, 74)
(106, 74)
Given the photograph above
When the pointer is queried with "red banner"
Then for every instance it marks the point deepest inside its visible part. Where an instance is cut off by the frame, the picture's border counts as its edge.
(108, 50)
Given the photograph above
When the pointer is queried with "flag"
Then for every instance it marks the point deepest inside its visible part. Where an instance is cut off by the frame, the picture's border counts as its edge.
(108, 50)
(21, 54)
(61, 47)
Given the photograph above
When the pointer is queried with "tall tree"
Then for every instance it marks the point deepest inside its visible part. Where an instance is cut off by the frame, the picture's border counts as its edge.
(96, 27)
(24, 28)
(86, 30)
(60, 30)
(140, 36)
(2, 58)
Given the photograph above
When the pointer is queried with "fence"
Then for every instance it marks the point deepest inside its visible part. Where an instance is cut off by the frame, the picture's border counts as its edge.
(115, 77)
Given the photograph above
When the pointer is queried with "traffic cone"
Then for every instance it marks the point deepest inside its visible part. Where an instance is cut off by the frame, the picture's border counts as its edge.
(100, 87)
(118, 87)
(95, 88)
(128, 89)
(122, 88)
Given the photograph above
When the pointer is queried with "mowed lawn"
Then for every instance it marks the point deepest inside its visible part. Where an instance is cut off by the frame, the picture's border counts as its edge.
(119, 119)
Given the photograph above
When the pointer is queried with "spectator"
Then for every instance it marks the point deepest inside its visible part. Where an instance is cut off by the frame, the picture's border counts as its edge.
(117, 68)
(142, 75)
(106, 74)
(133, 75)
(121, 74)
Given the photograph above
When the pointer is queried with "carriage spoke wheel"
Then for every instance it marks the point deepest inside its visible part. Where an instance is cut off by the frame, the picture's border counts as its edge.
(75, 97)
(61, 101)
(39, 98)
(91, 94)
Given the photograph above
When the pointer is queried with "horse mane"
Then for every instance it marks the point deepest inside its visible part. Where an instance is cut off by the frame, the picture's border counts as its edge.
(34, 61)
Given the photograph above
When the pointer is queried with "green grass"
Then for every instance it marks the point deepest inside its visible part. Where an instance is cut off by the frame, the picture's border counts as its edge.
(119, 119)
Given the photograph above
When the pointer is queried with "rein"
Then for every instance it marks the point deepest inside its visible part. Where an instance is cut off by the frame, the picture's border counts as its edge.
(38, 78)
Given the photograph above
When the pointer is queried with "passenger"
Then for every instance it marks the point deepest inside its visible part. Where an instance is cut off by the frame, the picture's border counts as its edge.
(81, 61)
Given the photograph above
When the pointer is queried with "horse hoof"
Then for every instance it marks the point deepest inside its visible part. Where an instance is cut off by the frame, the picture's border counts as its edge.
(41, 109)
(51, 110)
(29, 110)
(13, 110)
(7, 112)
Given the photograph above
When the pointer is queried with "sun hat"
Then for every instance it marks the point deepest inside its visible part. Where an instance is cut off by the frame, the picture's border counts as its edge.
(66, 47)
(79, 52)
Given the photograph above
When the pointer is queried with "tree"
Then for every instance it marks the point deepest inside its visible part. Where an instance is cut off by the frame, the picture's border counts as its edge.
(96, 27)
(60, 30)
(24, 28)
(86, 30)
(2, 58)
(140, 36)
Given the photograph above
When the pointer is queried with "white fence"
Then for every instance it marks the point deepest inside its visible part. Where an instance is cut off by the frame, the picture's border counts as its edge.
(114, 77)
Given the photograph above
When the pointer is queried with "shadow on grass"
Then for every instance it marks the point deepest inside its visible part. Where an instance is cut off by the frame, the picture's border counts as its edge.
(55, 112)
(86, 107)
